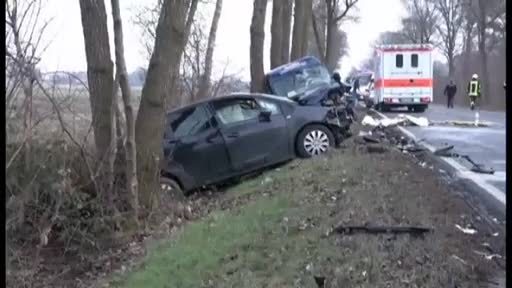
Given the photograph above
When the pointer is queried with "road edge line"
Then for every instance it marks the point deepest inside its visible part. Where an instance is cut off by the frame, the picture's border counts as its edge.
(462, 172)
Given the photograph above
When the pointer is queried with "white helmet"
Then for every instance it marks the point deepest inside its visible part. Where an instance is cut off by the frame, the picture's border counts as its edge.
(475, 76)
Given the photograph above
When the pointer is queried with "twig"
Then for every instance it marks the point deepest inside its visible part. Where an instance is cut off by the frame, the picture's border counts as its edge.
(381, 229)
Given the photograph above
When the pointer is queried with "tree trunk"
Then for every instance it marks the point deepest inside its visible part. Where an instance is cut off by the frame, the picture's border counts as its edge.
(257, 44)
(484, 77)
(329, 53)
(101, 88)
(286, 18)
(171, 36)
(276, 34)
(122, 75)
(318, 39)
(306, 23)
(205, 84)
(298, 34)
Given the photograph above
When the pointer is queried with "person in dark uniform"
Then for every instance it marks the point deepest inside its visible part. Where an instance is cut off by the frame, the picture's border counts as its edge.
(449, 91)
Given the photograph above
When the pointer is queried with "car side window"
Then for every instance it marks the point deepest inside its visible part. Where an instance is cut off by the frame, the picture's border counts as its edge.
(270, 106)
(190, 122)
(236, 110)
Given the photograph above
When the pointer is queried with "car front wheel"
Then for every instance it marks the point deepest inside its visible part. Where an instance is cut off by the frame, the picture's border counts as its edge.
(314, 140)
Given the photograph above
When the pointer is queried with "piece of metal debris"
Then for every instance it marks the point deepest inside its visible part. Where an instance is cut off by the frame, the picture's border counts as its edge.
(445, 151)
(470, 231)
(459, 259)
(488, 256)
(376, 149)
(370, 139)
(320, 281)
(381, 229)
(477, 168)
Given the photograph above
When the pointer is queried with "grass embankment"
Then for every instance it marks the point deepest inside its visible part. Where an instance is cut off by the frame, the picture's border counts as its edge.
(277, 238)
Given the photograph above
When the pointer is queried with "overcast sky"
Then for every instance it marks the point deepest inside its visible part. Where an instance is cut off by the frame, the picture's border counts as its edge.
(67, 52)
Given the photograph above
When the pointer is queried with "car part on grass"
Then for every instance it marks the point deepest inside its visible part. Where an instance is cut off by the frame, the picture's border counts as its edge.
(477, 168)
(320, 281)
(381, 229)
(379, 149)
(469, 231)
(370, 139)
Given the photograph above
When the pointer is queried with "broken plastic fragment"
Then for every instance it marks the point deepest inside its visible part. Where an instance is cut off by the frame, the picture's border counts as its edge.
(466, 230)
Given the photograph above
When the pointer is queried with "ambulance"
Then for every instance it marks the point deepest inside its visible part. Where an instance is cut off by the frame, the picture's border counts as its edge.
(403, 77)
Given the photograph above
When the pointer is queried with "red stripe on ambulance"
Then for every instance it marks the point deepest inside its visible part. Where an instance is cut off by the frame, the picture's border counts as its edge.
(404, 83)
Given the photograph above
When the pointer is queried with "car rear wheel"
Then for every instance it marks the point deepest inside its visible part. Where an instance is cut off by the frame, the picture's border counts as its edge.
(171, 188)
(314, 140)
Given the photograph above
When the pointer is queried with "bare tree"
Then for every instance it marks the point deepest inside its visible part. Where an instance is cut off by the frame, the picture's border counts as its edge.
(276, 33)
(306, 23)
(301, 23)
(286, 18)
(101, 89)
(467, 36)
(172, 31)
(420, 26)
(206, 77)
(257, 42)
(487, 13)
(327, 22)
(298, 33)
(24, 31)
(122, 75)
(449, 28)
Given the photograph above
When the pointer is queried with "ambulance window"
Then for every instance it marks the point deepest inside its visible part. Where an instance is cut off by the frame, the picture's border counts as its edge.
(414, 60)
(399, 60)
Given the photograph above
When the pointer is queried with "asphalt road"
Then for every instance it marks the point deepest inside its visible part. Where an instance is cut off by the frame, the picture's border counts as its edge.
(485, 145)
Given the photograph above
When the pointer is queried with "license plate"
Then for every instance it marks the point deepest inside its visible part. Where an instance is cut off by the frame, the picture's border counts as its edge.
(405, 100)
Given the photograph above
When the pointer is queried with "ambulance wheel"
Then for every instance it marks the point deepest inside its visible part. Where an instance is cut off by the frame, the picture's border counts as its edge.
(383, 107)
(420, 109)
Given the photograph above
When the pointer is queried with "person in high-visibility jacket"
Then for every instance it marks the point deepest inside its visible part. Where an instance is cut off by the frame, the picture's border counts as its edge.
(474, 90)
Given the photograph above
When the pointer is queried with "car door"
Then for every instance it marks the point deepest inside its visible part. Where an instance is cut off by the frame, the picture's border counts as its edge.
(251, 141)
(198, 145)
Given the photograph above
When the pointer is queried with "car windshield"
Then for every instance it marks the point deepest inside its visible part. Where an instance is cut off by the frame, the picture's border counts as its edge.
(296, 82)
(364, 80)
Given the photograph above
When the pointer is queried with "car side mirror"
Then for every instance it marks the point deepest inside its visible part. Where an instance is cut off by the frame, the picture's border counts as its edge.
(265, 115)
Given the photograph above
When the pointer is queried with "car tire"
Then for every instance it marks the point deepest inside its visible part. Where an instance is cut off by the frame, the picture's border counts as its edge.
(314, 140)
(171, 188)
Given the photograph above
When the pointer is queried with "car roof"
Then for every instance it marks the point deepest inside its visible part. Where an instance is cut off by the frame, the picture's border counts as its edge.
(294, 65)
(231, 96)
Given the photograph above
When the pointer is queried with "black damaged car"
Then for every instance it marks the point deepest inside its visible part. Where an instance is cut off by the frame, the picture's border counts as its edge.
(220, 138)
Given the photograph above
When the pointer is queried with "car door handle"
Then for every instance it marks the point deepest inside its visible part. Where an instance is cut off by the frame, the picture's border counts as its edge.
(233, 135)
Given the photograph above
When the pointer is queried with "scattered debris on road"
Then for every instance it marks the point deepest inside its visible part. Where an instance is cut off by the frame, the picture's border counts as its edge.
(477, 168)
(469, 231)
(381, 229)
(468, 124)
(401, 119)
